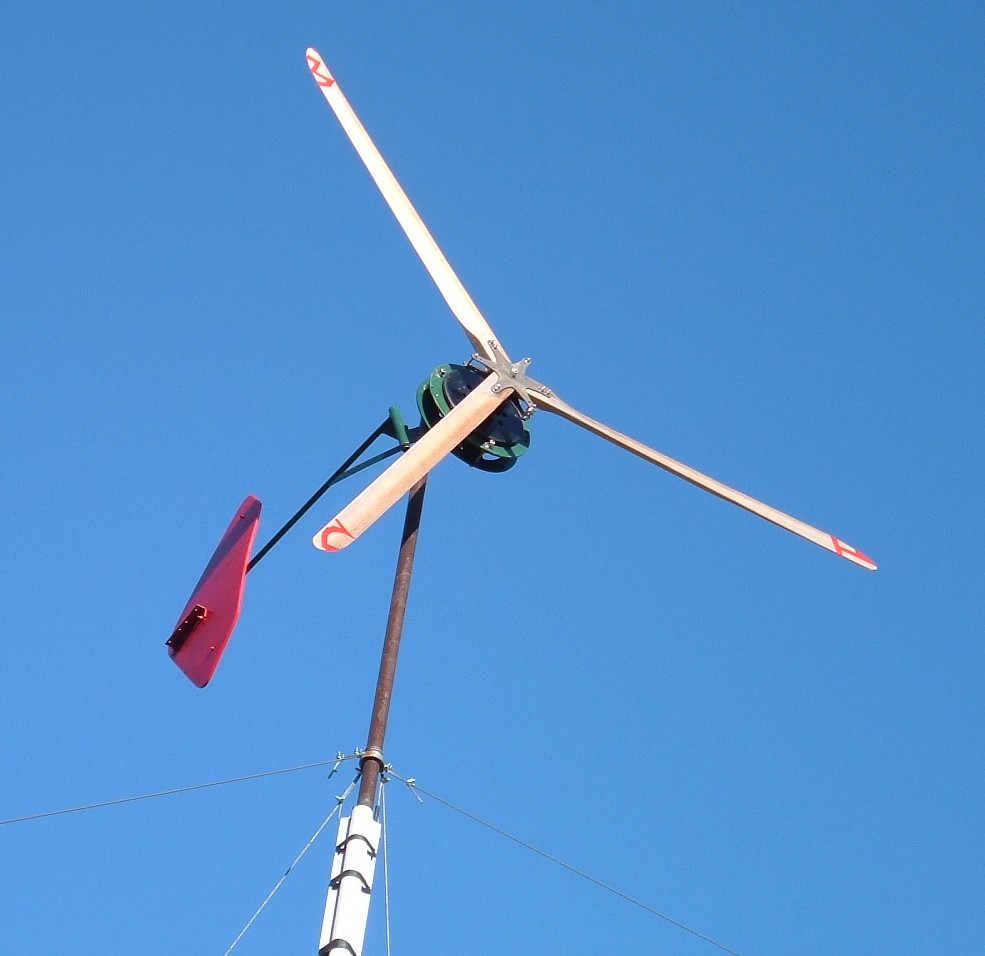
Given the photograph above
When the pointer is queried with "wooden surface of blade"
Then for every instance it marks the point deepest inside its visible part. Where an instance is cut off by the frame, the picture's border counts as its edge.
(449, 285)
(829, 541)
(413, 465)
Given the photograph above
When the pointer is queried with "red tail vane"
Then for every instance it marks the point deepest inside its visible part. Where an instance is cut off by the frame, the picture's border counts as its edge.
(207, 622)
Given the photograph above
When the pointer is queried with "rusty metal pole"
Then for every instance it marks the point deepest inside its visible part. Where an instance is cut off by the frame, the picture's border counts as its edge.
(347, 905)
(372, 762)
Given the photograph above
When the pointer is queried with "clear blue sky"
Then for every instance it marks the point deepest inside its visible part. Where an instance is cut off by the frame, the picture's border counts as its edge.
(749, 234)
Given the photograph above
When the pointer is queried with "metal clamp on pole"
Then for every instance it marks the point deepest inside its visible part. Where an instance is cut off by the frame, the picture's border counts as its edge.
(374, 754)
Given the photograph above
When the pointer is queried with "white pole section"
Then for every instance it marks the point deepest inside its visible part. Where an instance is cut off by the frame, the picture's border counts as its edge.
(347, 906)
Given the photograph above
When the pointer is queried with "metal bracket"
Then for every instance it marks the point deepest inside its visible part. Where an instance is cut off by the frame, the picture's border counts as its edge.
(397, 428)
(184, 630)
(371, 753)
(356, 836)
(334, 945)
(334, 884)
(513, 375)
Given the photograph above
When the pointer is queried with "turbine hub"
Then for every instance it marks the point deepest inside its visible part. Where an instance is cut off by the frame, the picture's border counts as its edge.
(497, 443)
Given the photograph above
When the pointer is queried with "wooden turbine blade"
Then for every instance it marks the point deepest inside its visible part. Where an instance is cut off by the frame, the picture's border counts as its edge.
(829, 541)
(459, 301)
(413, 465)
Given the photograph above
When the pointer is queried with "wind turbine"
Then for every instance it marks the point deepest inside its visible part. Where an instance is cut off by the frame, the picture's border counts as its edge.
(480, 413)
(493, 395)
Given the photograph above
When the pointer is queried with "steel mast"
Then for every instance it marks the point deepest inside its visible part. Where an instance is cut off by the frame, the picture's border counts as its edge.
(357, 847)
